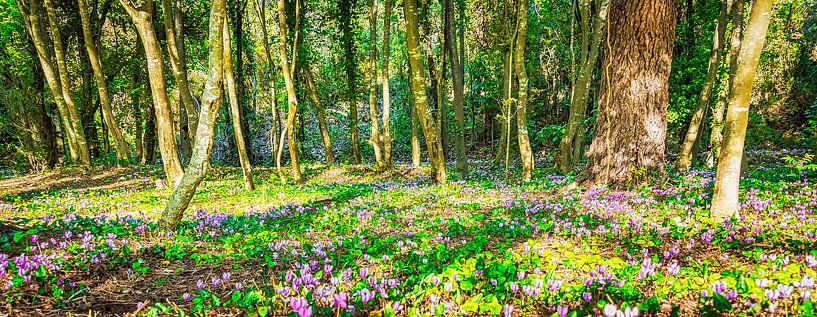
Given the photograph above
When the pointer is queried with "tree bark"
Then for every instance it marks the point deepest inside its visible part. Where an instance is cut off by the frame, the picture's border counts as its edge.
(142, 17)
(504, 119)
(629, 141)
(291, 97)
(375, 130)
(276, 122)
(569, 151)
(525, 151)
(102, 86)
(457, 85)
(65, 85)
(211, 101)
(387, 159)
(419, 92)
(727, 179)
(235, 110)
(313, 93)
(716, 134)
(685, 157)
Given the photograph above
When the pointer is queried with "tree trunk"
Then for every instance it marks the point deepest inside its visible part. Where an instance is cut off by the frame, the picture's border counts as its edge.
(568, 153)
(525, 151)
(727, 179)
(457, 85)
(104, 97)
(211, 101)
(685, 157)
(628, 143)
(291, 97)
(149, 155)
(504, 119)
(275, 121)
(142, 17)
(387, 160)
(415, 135)
(716, 134)
(375, 130)
(65, 85)
(419, 92)
(313, 93)
(235, 110)
(175, 42)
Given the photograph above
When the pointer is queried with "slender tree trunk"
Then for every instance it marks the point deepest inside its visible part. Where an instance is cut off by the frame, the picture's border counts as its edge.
(685, 157)
(375, 130)
(35, 27)
(591, 44)
(415, 135)
(629, 139)
(149, 136)
(313, 93)
(211, 101)
(504, 120)
(65, 85)
(275, 117)
(727, 179)
(716, 134)
(525, 150)
(143, 20)
(175, 41)
(235, 110)
(457, 84)
(347, 37)
(387, 160)
(104, 97)
(419, 91)
(291, 97)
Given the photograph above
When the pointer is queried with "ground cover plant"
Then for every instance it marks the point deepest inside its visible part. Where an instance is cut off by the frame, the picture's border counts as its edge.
(352, 242)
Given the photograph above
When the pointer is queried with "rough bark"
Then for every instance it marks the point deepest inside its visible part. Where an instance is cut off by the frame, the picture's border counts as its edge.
(716, 134)
(569, 151)
(727, 179)
(142, 17)
(457, 85)
(419, 92)
(65, 85)
(235, 110)
(291, 97)
(629, 138)
(375, 130)
(102, 85)
(211, 101)
(525, 151)
(691, 137)
(387, 159)
(313, 94)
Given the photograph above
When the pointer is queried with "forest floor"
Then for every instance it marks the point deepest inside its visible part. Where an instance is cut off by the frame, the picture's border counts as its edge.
(350, 241)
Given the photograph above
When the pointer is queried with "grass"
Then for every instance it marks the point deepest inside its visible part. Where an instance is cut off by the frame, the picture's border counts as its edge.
(353, 242)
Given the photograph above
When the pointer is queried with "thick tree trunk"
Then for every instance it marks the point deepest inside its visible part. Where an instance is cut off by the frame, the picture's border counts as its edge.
(291, 97)
(142, 17)
(235, 111)
(569, 150)
(525, 151)
(419, 92)
(716, 134)
(375, 130)
(313, 93)
(727, 179)
(457, 85)
(102, 85)
(65, 85)
(387, 160)
(685, 157)
(628, 143)
(211, 101)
